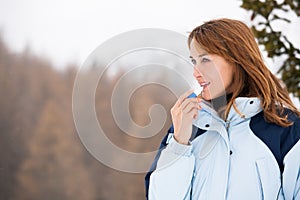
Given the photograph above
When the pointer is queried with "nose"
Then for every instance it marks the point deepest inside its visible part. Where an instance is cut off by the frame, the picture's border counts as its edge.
(197, 73)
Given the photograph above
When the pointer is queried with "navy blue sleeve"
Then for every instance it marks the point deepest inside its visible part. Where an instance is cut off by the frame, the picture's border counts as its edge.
(280, 140)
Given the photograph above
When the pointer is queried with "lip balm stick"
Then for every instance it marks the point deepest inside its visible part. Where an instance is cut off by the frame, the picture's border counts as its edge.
(195, 93)
(198, 91)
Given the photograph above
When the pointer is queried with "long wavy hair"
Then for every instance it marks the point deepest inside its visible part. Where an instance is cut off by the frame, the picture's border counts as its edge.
(234, 41)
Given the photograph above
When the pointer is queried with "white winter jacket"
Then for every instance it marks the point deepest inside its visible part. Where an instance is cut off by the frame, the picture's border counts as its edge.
(245, 158)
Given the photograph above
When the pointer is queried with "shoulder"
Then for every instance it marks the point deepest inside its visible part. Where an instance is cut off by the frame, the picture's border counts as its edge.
(280, 140)
(265, 129)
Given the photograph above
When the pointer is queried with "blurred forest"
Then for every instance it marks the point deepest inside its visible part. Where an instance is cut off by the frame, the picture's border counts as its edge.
(42, 156)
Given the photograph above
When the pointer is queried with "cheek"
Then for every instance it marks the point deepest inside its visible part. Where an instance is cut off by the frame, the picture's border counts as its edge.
(216, 74)
(227, 77)
(222, 75)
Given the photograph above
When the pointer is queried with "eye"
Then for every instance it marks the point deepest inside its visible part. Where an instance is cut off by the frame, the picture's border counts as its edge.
(203, 60)
(193, 61)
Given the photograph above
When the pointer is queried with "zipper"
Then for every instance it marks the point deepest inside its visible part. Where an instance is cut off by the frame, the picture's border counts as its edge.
(227, 125)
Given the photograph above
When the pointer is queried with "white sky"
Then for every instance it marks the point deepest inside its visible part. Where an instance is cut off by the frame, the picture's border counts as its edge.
(67, 31)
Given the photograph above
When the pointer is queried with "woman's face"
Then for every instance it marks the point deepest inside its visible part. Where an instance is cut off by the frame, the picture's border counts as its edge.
(212, 72)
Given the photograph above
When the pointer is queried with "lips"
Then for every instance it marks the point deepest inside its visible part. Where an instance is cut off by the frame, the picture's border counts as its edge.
(204, 84)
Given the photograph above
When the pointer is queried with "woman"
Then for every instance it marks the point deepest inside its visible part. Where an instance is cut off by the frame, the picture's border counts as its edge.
(237, 140)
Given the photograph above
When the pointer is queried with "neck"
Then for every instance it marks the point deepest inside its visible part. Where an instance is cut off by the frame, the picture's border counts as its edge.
(219, 102)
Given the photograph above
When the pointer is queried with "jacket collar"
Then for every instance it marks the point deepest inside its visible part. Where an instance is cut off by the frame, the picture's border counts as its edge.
(210, 120)
(247, 107)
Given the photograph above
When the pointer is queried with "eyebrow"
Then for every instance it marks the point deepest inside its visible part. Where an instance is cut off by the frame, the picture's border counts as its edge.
(199, 56)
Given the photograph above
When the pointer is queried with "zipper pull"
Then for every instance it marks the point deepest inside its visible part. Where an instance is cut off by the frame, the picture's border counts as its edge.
(227, 125)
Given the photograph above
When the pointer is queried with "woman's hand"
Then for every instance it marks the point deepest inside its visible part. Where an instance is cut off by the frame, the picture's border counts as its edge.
(183, 113)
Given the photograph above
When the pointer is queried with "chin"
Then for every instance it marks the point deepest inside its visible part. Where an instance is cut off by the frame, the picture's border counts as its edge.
(206, 96)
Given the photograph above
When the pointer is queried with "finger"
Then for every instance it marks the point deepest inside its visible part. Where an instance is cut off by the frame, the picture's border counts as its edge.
(198, 99)
(192, 114)
(195, 115)
(188, 101)
(189, 107)
(188, 93)
(183, 97)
